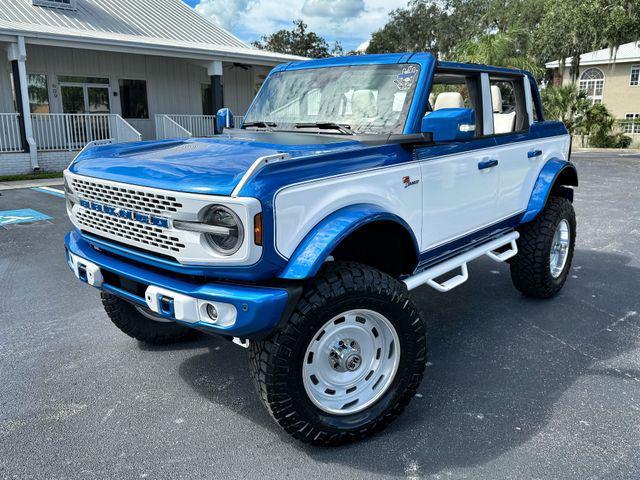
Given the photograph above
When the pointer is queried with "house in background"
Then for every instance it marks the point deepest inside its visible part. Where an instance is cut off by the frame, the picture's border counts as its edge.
(78, 71)
(613, 82)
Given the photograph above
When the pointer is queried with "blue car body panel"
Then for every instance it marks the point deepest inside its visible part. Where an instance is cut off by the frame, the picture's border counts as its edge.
(199, 165)
(259, 308)
(321, 241)
(543, 186)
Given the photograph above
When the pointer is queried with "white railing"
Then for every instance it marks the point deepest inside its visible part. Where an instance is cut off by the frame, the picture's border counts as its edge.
(190, 125)
(10, 139)
(197, 125)
(71, 131)
(166, 127)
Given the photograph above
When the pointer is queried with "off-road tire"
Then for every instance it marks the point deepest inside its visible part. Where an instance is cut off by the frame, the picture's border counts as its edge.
(124, 315)
(276, 362)
(530, 269)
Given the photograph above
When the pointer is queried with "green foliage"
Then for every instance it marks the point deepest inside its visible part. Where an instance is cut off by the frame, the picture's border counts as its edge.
(503, 49)
(519, 33)
(620, 140)
(298, 41)
(572, 27)
(598, 123)
(565, 103)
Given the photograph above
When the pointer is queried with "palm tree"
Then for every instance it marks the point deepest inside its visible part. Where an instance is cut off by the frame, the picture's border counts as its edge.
(565, 103)
(502, 49)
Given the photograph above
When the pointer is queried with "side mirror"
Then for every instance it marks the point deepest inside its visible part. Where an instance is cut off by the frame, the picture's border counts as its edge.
(450, 124)
(224, 119)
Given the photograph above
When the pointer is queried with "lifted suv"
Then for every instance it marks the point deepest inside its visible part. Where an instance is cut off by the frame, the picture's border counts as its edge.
(300, 234)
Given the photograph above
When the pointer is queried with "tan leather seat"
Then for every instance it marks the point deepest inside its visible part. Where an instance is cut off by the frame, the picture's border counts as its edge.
(502, 122)
(448, 100)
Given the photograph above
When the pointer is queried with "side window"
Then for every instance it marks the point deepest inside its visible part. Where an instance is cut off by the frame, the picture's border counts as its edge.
(455, 90)
(508, 103)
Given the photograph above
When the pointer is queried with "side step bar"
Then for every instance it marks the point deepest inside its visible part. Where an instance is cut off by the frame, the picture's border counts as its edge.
(460, 262)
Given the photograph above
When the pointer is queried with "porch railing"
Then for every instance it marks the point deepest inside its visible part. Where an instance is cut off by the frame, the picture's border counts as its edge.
(197, 125)
(167, 127)
(70, 131)
(10, 140)
(189, 125)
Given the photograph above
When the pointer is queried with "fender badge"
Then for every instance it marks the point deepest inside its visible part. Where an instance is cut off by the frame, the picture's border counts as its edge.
(408, 182)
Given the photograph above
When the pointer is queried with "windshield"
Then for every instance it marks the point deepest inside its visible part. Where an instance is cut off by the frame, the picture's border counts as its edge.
(365, 99)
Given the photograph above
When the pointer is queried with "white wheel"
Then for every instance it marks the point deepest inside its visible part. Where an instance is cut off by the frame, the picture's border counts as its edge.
(560, 248)
(351, 362)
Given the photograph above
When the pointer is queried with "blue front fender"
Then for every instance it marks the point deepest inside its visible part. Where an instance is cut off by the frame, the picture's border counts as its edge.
(549, 174)
(327, 235)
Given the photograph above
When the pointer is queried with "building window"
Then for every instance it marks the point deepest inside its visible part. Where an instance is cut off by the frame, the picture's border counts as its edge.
(64, 4)
(133, 98)
(592, 82)
(38, 93)
(632, 123)
(634, 80)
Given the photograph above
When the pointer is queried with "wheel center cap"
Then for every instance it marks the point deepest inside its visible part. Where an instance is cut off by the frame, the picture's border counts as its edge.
(345, 356)
(353, 362)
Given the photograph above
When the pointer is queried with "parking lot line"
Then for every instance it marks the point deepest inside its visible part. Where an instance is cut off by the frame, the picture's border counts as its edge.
(50, 191)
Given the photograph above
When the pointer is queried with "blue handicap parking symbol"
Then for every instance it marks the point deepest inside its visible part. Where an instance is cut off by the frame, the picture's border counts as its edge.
(26, 215)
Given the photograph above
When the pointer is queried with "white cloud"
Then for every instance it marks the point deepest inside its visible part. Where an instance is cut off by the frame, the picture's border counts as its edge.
(336, 9)
(226, 13)
(350, 22)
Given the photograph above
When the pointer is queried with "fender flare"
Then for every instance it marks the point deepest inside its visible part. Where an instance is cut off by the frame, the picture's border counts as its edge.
(318, 244)
(554, 173)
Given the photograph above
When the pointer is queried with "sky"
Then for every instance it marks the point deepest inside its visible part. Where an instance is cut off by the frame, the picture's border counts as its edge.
(350, 22)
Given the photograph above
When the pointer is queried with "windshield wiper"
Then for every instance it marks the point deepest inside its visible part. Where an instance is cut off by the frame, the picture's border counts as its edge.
(327, 126)
(260, 124)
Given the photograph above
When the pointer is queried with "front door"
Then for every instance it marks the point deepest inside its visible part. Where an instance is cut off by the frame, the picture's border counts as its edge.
(86, 98)
(460, 180)
(459, 194)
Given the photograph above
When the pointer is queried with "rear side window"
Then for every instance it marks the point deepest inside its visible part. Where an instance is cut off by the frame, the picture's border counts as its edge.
(508, 104)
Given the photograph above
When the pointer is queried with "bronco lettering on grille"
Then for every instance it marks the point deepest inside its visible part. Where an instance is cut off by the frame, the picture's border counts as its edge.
(125, 213)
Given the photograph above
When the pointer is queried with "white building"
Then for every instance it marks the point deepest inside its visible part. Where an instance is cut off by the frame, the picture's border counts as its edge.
(87, 70)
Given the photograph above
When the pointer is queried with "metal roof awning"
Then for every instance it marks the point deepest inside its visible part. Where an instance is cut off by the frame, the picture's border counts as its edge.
(44, 35)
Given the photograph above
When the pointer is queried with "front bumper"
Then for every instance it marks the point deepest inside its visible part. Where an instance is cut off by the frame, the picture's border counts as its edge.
(244, 310)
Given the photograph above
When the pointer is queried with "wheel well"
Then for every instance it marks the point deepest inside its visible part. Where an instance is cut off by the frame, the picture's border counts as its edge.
(385, 245)
(565, 179)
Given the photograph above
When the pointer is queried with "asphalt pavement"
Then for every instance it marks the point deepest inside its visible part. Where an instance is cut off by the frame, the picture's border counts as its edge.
(514, 388)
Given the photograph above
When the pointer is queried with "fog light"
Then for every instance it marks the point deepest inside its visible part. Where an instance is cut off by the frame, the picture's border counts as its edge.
(212, 312)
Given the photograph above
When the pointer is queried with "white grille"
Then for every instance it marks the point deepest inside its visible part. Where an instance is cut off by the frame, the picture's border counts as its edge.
(130, 231)
(128, 198)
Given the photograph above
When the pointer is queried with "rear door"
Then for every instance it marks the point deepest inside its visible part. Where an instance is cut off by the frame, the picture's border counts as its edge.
(520, 154)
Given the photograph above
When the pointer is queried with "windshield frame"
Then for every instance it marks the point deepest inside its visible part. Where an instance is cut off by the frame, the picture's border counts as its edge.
(400, 126)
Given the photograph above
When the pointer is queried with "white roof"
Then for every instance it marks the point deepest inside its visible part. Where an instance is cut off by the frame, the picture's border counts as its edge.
(629, 52)
(161, 25)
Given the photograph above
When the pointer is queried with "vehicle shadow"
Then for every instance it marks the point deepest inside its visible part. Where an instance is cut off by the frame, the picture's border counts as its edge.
(498, 363)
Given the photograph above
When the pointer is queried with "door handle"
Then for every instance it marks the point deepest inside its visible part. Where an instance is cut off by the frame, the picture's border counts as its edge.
(534, 153)
(487, 164)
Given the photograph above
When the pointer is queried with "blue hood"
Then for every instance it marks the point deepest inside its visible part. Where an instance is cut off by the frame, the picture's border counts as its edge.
(211, 166)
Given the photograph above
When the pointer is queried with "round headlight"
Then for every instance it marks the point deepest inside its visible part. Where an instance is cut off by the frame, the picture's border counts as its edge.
(229, 240)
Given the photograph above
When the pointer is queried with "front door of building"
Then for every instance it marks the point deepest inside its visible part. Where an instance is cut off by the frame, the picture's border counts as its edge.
(86, 96)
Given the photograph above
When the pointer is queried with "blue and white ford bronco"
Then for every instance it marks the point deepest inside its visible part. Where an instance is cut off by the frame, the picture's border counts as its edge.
(300, 234)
